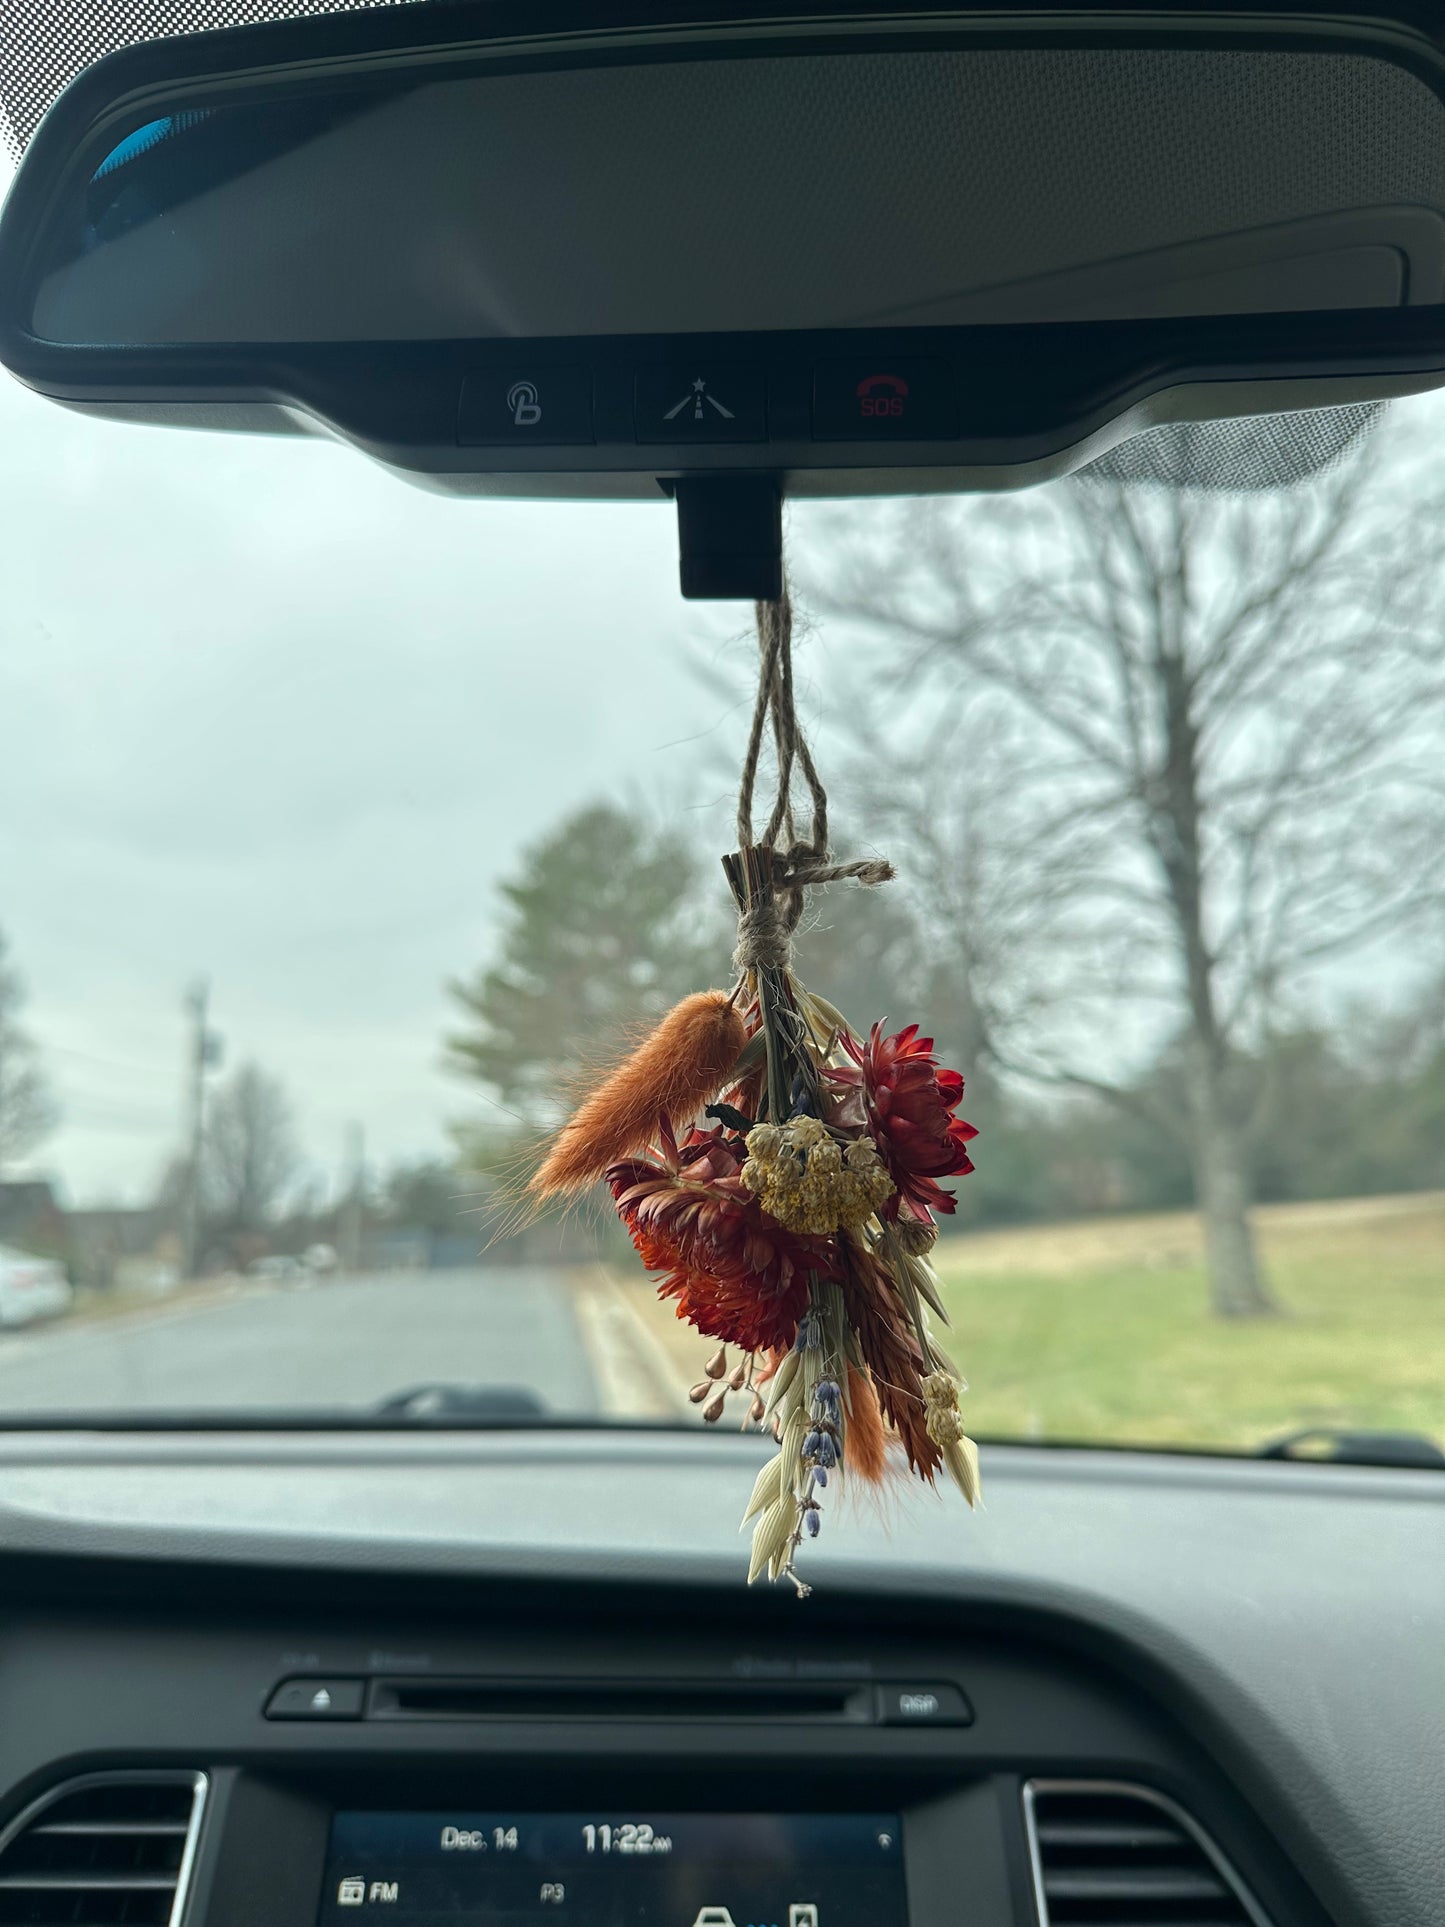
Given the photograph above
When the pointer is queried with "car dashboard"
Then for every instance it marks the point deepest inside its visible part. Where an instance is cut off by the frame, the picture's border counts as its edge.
(393, 1680)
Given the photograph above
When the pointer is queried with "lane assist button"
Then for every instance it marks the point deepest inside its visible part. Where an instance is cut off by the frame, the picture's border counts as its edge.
(518, 407)
(701, 402)
(884, 401)
(317, 1699)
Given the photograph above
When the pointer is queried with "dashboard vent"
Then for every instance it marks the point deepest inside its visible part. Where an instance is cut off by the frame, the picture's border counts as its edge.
(1111, 1855)
(109, 1850)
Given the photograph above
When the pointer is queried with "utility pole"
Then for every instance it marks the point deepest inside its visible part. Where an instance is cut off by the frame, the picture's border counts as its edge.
(352, 1207)
(202, 1051)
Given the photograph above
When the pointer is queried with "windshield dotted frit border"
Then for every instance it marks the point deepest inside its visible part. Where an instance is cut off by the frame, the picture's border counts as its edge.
(43, 48)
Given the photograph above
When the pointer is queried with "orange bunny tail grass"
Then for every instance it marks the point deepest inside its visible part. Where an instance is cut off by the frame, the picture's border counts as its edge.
(513, 1206)
(688, 1059)
(865, 1444)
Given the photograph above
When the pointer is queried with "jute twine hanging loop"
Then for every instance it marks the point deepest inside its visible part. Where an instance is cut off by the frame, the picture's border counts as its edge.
(770, 877)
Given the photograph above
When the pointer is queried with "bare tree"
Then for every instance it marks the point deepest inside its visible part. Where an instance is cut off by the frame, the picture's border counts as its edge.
(1212, 732)
(250, 1160)
(27, 1111)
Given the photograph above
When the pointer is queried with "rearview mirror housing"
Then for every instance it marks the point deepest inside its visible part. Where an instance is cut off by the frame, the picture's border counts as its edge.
(553, 251)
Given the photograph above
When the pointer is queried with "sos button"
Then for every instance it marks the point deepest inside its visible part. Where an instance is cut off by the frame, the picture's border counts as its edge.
(902, 401)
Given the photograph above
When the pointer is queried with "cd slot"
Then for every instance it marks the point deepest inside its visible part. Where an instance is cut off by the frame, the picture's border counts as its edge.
(490, 1699)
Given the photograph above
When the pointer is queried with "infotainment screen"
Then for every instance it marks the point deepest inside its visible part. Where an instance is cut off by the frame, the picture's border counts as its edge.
(614, 1869)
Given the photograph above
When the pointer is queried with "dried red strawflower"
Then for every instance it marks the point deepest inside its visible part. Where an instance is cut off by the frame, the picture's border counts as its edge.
(910, 1102)
(735, 1272)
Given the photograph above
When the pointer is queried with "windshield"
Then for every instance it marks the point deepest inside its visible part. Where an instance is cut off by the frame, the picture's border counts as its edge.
(349, 832)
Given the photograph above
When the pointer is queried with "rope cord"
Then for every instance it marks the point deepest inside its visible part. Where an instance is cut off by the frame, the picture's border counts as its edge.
(767, 918)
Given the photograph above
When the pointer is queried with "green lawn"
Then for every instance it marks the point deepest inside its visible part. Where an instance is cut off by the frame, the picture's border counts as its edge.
(1101, 1330)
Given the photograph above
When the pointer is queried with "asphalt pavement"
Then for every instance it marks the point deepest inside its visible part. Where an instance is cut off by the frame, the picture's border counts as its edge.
(343, 1342)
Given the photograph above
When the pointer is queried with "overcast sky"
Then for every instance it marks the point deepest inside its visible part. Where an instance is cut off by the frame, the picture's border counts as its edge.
(269, 714)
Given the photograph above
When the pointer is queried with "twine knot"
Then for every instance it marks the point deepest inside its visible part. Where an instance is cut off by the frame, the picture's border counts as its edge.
(765, 941)
(768, 917)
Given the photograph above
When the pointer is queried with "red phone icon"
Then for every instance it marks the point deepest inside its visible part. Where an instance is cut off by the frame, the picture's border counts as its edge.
(882, 395)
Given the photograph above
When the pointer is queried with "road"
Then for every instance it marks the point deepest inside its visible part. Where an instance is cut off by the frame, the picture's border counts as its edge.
(349, 1342)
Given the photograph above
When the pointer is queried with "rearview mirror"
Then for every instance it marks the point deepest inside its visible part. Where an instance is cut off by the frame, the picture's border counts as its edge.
(822, 253)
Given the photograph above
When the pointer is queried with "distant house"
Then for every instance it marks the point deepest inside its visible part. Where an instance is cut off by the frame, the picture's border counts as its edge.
(31, 1219)
(107, 1243)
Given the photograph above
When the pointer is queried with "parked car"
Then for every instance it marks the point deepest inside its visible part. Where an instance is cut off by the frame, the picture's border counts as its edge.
(278, 1266)
(31, 1288)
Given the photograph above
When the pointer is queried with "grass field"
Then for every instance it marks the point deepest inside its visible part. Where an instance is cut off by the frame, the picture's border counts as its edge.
(1101, 1329)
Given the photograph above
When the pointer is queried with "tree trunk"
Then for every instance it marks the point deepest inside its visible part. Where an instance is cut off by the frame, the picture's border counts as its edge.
(1221, 1189)
(1221, 1175)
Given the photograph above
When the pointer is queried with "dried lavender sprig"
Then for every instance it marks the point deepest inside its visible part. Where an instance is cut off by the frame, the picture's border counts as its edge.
(824, 1364)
